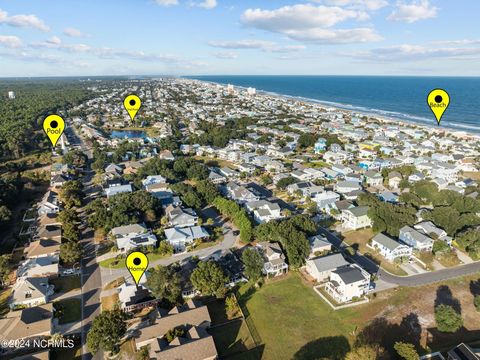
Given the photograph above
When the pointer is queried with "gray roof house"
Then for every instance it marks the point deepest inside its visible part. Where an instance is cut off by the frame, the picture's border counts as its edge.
(180, 217)
(321, 267)
(180, 237)
(274, 259)
(415, 239)
(389, 248)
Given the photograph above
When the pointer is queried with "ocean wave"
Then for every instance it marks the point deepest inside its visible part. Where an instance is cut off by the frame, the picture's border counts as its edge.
(387, 114)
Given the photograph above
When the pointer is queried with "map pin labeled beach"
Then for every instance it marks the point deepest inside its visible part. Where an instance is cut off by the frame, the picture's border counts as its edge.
(438, 100)
(53, 125)
(132, 104)
(137, 264)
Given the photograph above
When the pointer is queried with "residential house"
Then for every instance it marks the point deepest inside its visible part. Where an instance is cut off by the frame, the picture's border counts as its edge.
(264, 211)
(389, 248)
(29, 292)
(373, 178)
(179, 238)
(133, 236)
(28, 324)
(195, 344)
(321, 267)
(318, 244)
(180, 217)
(49, 204)
(216, 178)
(274, 259)
(394, 179)
(135, 297)
(326, 200)
(348, 283)
(240, 194)
(344, 187)
(356, 218)
(118, 189)
(416, 239)
(45, 266)
(462, 352)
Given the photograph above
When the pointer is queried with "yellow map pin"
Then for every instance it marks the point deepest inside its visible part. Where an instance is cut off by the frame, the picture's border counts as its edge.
(438, 100)
(137, 264)
(132, 104)
(53, 125)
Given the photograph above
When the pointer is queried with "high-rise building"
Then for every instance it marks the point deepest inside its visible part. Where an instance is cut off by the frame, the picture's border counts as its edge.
(11, 94)
(251, 91)
(230, 89)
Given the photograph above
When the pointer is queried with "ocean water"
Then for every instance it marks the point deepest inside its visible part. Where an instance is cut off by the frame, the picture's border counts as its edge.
(397, 97)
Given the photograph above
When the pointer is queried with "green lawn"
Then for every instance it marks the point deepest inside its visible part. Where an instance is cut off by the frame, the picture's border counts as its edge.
(68, 310)
(295, 323)
(4, 294)
(114, 263)
(232, 338)
(66, 283)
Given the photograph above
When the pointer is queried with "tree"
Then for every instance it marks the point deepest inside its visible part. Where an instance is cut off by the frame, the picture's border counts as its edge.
(165, 248)
(209, 279)
(5, 214)
(107, 330)
(253, 262)
(164, 283)
(71, 193)
(406, 351)
(448, 320)
(207, 190)
(171, 334)
(4, 268)
(70, 252)
(306, 140)
(283, 183)
(365, 352)
(476, 302)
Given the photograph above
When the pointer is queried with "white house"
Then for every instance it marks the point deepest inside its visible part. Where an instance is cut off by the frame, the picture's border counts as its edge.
(415, 239)
(389, 248)
(29, 292)
(347, 283)
(132, 236)
(356, 218)
(264, 211)
(179, 238)
(274, 259)
(49, 204)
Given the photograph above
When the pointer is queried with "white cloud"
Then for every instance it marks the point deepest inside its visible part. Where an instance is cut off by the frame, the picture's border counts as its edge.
(72, 32)
(361, 4)
(407, 52)
(306, 22)
(415, 11)
(226, 55)
(267, 46)
(301, 16)
(167, 2)
(208, 4)
(23, 21)
(10, 41)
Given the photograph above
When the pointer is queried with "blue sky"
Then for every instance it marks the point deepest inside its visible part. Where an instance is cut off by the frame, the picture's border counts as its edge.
(184, 37)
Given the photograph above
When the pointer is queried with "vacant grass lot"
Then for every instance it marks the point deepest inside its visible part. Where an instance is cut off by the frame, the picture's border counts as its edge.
(295, 323)
(68, 310)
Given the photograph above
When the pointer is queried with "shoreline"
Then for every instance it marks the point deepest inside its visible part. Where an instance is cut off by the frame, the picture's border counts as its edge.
(391, 120)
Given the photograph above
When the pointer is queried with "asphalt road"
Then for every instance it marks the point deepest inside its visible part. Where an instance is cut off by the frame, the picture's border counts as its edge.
(410, 281)
(228, 242)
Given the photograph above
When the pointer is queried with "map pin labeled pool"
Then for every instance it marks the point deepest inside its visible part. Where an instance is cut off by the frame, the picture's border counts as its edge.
(137, 264)
(132, 104)
(438, 100)
(53, 125)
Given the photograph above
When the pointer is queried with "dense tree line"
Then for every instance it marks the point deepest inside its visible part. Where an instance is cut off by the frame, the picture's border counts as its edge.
(22, 117)
(386, 217)
(238, 216)
(292, 233)
(123, 209)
